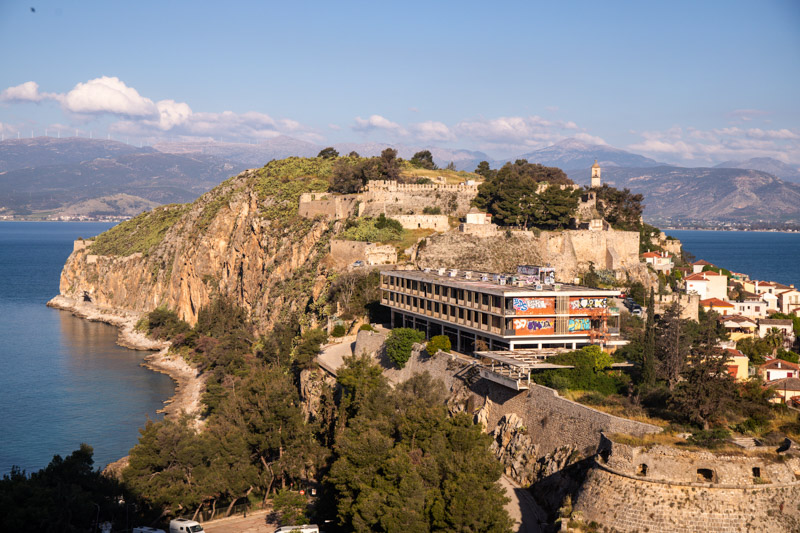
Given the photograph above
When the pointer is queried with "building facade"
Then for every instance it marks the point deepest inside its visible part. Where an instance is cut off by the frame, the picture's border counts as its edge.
(500, 312)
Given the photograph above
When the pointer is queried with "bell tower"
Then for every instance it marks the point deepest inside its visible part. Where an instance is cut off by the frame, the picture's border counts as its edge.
(595, 175)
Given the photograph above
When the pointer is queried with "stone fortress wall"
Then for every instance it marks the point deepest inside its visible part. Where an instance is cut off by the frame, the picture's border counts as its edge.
(393, 199)
(667, 489)
(335, 206)
(344, 253)
(434, 222)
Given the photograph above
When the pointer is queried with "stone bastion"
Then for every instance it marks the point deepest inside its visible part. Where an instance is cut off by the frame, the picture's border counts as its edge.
(666, 489)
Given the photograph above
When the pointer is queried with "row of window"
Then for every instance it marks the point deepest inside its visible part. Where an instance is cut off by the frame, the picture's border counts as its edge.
(450, 312)
(438, 292)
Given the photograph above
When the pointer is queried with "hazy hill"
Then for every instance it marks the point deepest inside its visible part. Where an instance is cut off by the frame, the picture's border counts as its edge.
(251, 155)
(766, 164)
(152, 176)
(257, 155)
(709, 194)
(573, 154)
(41, 151)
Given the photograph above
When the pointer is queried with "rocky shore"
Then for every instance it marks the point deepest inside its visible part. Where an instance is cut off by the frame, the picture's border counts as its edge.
(188, 383)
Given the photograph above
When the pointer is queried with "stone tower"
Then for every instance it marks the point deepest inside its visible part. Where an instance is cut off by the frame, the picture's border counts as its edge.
(595, 174)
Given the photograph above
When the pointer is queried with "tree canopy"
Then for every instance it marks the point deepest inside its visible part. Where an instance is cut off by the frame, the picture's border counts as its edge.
(423, 159)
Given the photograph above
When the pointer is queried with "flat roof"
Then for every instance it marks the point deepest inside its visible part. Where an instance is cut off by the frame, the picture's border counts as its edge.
(491, 286)
(521, 359)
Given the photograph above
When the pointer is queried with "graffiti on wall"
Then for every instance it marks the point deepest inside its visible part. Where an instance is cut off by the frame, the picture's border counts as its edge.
(587, 304)
(575, 325)
(533, 306)
(528, 326)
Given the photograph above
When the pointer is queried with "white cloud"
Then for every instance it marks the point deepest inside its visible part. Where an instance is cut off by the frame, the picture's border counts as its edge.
(585, 137)
(377, 122)
(432, 131)
(108, 95)
(172, 113)
(25, 92)
(712, 146)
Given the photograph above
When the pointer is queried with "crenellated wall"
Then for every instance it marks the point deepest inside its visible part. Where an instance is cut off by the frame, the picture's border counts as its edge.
(659, 489)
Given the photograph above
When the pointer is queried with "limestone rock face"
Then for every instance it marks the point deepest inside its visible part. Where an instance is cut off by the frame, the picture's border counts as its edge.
(222, 245)
(569, 252)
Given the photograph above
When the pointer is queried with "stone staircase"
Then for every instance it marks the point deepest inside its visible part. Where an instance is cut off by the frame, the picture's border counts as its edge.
(745, 442)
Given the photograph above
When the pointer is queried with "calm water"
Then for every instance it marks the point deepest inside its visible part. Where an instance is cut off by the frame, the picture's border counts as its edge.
(63, 381)
(766, 256)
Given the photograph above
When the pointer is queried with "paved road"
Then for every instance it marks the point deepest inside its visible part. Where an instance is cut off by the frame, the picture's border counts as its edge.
(332, 355)
(254, 523)
(523, 509)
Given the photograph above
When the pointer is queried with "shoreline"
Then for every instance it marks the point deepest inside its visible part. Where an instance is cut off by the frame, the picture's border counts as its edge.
(189, 384)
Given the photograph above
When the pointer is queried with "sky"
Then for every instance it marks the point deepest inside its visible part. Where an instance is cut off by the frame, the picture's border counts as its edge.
(690, 83)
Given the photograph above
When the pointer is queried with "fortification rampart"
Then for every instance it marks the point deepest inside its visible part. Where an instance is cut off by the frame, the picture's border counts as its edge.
(434, 222)
(553, 421)
(665, 489)
(395, 198)
(689, 304)
(393, 186)
(345, 253)
(335, 206)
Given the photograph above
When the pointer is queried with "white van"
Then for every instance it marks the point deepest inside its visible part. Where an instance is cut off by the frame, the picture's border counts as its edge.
(183, 525)
(305, 528)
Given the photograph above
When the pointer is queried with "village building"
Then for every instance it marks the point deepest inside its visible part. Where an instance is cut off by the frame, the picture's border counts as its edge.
(501, 312)
(739, 327)
(722, 307)
(775, 369)
(738, 364)
(784, 326)
(698, 266)
(707, 285)
(660, 261)
(787, 390)
(753, 307)
(789, 301)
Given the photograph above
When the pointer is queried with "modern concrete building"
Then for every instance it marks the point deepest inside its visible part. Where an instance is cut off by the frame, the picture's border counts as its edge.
(485, 311)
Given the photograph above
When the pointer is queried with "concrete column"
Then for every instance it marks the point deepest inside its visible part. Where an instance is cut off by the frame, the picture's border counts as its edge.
(458, 339)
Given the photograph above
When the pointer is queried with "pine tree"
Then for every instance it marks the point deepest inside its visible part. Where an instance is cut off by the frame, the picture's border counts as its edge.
(649, 352)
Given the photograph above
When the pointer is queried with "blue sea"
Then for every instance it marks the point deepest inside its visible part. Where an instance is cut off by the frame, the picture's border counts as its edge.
(763, 255)
(63, 381)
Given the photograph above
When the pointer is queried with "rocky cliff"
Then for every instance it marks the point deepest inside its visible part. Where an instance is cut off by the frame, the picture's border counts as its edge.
(242, 240)
(570, 252)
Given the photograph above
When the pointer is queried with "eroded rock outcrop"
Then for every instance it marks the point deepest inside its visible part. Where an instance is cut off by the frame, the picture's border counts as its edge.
(227, 243)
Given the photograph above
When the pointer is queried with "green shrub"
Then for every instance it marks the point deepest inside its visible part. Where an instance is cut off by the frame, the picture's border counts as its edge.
(432, 210)
(588, 373)
(379, 229)
(366, 327)
(439, 342)
(400, 342)
(140, 234)
(309, 347)
(338, 331)
(162, 323)
(710, 438)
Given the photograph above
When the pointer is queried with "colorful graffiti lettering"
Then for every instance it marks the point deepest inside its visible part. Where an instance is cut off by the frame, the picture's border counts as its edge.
(524, 304)
(579, 324)
(524, 325)
(588, 303)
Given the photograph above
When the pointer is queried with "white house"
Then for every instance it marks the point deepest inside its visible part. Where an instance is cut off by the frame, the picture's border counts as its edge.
(707, 285)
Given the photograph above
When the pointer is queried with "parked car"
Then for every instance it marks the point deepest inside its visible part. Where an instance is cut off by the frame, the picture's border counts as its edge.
(183, 525)
(305, 528)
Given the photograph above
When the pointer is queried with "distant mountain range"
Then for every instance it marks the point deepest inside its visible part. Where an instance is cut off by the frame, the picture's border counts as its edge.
(144, 176)
(572, 154)
(682, 195)
(766, 164)
(84, 176)
(256, 155)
